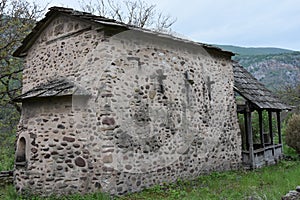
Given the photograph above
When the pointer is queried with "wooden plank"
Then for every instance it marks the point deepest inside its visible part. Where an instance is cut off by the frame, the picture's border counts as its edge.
(250, 135)
(270, 127)
(261, 131)
(246, 130)
(279, 127)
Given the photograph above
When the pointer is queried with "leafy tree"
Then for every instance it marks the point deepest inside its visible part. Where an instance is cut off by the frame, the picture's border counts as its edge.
(292, 132)
(17, 17)
(133, 12)
(290, 94)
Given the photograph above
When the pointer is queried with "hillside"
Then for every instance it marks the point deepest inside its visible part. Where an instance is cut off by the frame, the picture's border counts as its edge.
(253, 51)
(274, 67)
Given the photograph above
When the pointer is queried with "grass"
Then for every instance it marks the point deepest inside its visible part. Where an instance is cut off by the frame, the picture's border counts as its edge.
(271, 182)
(9, 193)
(7, 157)
(267, 183)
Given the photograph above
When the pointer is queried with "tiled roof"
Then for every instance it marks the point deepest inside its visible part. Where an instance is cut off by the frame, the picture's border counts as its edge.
(57, 87)
(88, 17)
(255, 92)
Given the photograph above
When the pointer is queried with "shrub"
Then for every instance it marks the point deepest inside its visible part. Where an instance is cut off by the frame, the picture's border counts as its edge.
(293, 132)
(7, 150)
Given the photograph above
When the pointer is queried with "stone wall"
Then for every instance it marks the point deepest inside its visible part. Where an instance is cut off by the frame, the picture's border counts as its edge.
(54, 148)
(158, 110)
(59, 51)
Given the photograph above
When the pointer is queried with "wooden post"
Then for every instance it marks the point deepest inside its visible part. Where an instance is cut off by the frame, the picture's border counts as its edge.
(279, 127)
(261, 129)
(271, 133)
(250, 135)
(246, 130)
(270, 127)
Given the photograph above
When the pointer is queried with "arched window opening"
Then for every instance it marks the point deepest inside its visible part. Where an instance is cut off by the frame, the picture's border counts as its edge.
(21, 152)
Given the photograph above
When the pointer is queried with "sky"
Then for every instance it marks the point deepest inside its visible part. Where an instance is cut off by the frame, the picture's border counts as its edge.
(247, 23)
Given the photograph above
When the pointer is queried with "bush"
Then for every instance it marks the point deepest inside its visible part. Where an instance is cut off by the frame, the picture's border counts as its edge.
(7, 151)
(293, 133)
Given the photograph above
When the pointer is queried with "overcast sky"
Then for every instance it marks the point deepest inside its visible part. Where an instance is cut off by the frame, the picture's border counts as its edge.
(249, 23)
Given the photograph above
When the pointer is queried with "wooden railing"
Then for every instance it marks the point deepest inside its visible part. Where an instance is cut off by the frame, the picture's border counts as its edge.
(267, 155)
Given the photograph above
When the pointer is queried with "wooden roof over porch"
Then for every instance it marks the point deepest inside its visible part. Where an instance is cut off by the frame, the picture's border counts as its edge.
(252, 90)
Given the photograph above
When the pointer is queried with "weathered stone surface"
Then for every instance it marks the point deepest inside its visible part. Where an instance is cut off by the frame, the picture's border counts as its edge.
(68, 139)
(292, 195)
(80, 162)
(149, 116)
(108, 121)
(76, 145)
(108, 159)
(60, 126)
(33, 150)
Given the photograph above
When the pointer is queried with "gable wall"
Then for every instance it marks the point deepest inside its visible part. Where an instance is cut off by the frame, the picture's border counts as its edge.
(59, 51)
(150, 118)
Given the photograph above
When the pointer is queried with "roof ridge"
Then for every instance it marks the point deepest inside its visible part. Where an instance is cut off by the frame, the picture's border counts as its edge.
(83, 14)
(56, 10)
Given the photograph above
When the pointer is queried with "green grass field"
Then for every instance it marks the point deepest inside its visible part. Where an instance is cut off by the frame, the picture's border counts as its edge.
(271, 182)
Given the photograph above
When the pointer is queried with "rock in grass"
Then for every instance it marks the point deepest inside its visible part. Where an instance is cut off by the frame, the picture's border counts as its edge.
(293, 194)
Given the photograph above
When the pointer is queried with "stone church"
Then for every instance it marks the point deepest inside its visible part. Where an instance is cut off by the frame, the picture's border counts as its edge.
(115, 108)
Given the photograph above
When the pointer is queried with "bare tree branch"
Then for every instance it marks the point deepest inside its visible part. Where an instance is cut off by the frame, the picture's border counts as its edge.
(11, 73)
(133, 12)
(17, 17)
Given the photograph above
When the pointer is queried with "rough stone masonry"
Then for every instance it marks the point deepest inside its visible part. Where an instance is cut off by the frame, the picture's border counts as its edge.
(138, 109)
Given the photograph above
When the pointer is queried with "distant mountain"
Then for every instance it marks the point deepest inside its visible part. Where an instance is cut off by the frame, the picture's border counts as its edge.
(274, 67)
(273, 70)
(253, 51)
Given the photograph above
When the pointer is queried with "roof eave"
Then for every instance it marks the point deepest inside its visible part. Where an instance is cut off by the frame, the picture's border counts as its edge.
(31, 37)
(55, 11)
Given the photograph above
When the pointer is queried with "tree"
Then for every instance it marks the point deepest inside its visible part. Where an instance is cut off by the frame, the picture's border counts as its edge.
(293, 133)
(17, 17)
(290, 94)
(132, 12)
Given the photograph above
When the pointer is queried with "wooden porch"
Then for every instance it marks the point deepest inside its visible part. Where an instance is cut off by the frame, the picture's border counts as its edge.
(264, 156)
(266, 150)
(260, 147)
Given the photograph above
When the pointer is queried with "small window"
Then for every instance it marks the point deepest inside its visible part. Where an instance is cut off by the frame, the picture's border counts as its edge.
(21, 152)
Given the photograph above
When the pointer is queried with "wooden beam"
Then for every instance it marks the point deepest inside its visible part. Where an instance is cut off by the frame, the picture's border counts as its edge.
(246, 130)
(72, 34)
(279, 127)
(241, 108)
(250, 134)
(270, 127)
(261, 129)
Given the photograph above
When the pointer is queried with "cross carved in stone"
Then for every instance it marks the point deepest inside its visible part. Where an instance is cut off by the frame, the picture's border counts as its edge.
(209, 84)
(160, 78)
